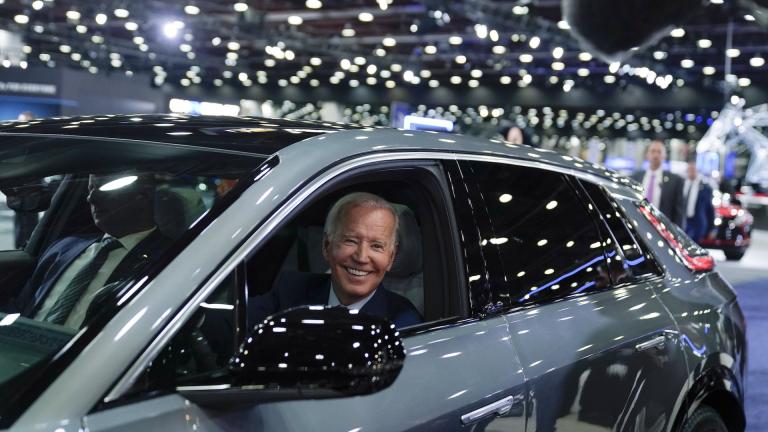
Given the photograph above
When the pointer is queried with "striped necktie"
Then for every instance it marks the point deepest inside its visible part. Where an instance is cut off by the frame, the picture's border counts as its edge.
(77, 286)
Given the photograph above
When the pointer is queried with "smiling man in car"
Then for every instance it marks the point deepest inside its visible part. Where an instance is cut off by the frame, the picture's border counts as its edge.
(359, 245)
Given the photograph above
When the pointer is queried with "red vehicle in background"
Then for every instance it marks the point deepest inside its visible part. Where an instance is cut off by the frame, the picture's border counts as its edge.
(733, 227)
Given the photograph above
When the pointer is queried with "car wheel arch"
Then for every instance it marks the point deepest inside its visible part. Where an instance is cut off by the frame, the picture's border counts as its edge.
(717, 388)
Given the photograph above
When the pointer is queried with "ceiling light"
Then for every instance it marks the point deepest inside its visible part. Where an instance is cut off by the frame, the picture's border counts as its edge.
(390, 84)
(66, 49)
(704, 43)
(677, 33)
(460, 59)
(101, 19)
(585, 56)
(171, 29)
(38, 4)
(499, 49)
(456, 80)
(191, 10)
(359, 60)
(505, 79)
(476, 73)
(348, 32)
(481, 30)
(394, 67)
(659, 55)
(430, 49)
(21, 19)
(756, 61)
(313, 4)
(371, 80)
(732, 52)
(526, 58)
(73, 15)
(81, 29)
(414, 28)
(315, 61)
(455, 40)
(494, 35)
(240, 7)
(686, 63)
(749, 18)
(354, 83)
(365, 16)
(744, 82)
(563, 25)
(609, 79)
(557, 52)
(614, 67)
(131, 26)
(558, 66)
(389, 42)
(520, 10)
(295, 20)
(708, 70)
(527, 79)
(425, 73)
(583, 72)
(121, 13)
(371, 69)
(534, 42)
(233, 45)
(434, 83)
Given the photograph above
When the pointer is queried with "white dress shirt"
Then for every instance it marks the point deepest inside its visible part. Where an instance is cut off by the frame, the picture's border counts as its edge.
(77, 315)
(658, 178)
(334, 301)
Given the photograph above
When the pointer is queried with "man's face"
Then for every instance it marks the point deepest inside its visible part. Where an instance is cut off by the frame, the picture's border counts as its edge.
(692, 171)
(361, 252)
(515, 135)
(656, 154)
(118, 205)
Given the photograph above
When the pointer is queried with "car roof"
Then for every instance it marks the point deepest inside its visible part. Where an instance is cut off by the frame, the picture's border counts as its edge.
(268, 136)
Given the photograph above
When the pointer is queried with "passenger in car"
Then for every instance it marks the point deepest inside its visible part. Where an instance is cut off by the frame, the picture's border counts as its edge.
(70, 274)
(359, 245)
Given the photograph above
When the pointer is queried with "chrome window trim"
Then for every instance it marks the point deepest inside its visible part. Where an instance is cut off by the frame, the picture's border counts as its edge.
(124, 383)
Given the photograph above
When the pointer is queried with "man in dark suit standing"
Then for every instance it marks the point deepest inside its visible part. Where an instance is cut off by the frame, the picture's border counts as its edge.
(662, 188)
(699, 211)
(70, 274)
(359, 243)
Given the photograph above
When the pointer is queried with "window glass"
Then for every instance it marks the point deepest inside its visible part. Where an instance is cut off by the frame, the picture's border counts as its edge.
(635, 259)
(112, 214)
(548, 243)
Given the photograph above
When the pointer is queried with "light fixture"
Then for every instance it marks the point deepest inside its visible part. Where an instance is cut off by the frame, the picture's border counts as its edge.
(100, 18)
(313, 4)
(534, 42)
(21, 19)
(558, 66)
(73, 15)
(365, 16)
(295, 20)
(732, 52)
(348, 32)
(460, 59)
(455, 40)
(240, 7)
(121, 13)
(708, 70)
(677, 32)
(756, 61)
(191, 10)
(585, 56)
(389, 42)
(430, 49)
(557, 52)
(686, 63)
(704, 43)
(525, 58)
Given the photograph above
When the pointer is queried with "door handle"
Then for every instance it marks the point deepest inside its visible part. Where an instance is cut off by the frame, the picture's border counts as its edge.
(499, 408)
(657, 342)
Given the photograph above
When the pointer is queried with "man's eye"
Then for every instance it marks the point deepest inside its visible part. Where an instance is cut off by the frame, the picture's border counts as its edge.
(349, 241)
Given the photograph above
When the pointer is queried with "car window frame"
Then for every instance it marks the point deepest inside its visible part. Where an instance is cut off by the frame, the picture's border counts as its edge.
(313, 186)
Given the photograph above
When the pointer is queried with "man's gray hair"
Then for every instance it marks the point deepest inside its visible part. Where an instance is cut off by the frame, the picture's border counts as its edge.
(352, 200)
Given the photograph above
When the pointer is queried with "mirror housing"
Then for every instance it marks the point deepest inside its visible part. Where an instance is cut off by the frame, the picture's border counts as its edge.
(309, 352)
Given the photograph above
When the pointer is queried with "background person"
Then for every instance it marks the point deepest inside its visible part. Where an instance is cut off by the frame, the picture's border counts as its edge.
(699, 211)
(359, 245)
(70, 273)
(662, 188)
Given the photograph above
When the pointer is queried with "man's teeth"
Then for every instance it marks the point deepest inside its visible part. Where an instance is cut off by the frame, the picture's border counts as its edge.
(356, 272)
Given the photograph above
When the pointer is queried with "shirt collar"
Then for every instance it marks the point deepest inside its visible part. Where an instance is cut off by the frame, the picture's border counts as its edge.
(131, 240)
(334, 301)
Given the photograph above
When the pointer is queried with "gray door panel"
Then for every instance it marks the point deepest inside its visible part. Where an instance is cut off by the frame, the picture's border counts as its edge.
(587, 366)
(447, 374)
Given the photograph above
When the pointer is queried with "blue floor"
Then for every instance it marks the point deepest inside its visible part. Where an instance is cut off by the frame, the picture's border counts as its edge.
(753, 297)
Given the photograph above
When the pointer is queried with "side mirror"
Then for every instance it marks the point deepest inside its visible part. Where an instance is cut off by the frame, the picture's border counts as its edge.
(31, 198)
(308, 352)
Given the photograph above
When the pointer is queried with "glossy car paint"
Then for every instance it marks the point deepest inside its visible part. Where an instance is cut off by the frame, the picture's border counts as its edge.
(448, 371)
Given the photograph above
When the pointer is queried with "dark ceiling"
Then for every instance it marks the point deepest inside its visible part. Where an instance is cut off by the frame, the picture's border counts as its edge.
(385, 44)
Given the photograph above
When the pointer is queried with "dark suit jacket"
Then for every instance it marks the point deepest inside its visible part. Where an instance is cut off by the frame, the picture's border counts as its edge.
(300, 289)
(703, 219)
(57, 258)
(671, 203)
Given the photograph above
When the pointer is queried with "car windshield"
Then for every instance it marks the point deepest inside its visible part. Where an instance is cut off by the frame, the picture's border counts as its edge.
(81, 221)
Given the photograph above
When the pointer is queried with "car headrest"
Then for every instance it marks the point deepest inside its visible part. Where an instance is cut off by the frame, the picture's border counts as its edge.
(408, 256)
(176, 208)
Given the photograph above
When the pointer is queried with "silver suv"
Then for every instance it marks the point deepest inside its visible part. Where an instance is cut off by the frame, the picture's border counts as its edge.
(551, 296)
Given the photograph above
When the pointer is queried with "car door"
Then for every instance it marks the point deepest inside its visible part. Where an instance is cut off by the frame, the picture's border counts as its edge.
(598, 348)
(460, 371)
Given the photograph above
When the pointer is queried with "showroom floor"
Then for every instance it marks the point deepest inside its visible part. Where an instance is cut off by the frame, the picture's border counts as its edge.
(750, 279)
